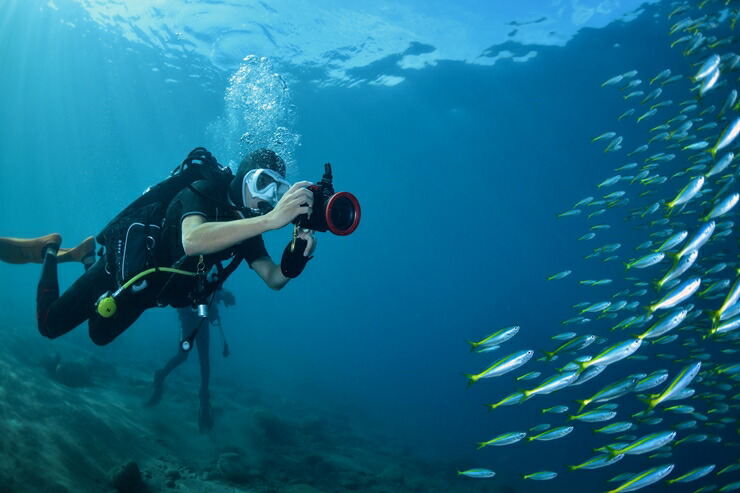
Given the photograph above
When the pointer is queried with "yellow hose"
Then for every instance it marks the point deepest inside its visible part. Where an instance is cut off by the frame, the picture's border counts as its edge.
(107, 306)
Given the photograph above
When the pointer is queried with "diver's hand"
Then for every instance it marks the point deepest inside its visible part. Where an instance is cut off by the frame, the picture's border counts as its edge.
(296, 201)
(307, 234)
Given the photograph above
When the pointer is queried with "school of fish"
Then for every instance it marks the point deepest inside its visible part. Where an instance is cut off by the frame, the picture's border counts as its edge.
(677, 310)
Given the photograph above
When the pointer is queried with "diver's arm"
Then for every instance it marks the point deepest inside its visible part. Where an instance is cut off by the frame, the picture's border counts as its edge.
(200, 237)
(271, 273)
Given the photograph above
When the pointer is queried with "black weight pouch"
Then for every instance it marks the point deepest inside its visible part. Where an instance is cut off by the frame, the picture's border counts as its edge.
(131, 243)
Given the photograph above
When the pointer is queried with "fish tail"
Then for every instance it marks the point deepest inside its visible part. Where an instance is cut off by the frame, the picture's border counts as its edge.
(583, 403)
(714, 316)
(549, 355)
(471, 378)
(481, 445)
(572, 468)
(649, 400)
(657, 286)
(473, 345)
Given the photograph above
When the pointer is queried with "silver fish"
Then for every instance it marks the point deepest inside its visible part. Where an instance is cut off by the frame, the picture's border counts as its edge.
(552, 384)
(679, 383)
(710, 82)
(720, 166)
(653, 380)
(502, 366)
(701, 236)
(645, 444)
(677, 295)
(646, 261)
(688, 192)
(614, 80)
(665, 324)
(728, 135)
(663, 75)
(645, 478)
(680, 266)
(674, 240)
(693, 474)
(723, 207)
(707, 67)
(611, 391)
(553, 434)
(729, 102)
(653, 94)
(730, 300)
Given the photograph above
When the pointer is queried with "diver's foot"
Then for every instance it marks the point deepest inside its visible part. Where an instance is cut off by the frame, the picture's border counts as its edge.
(205, 417)
(28, 251)
(84, 252)
(158, 389)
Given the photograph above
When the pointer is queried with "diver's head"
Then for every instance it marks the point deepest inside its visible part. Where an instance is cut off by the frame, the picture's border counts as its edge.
(259, 181)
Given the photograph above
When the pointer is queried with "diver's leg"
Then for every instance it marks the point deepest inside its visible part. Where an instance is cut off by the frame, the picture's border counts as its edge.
(160, 375)
(203, 343)
(129, 308)
(202, 340)
(186, 320)
(56, 315)
(84, 252)
(25, 251)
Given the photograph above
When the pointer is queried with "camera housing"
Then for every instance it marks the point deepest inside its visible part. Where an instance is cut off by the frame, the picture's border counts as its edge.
(338, 213)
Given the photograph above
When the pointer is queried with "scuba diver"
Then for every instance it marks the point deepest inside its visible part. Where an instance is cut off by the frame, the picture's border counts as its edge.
(168, 246)
(189, 321)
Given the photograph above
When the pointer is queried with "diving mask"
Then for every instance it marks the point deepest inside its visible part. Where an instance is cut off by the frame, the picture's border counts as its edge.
(266, 185)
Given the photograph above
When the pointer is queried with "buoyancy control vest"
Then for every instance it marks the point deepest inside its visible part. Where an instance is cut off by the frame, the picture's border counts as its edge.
(132, 238)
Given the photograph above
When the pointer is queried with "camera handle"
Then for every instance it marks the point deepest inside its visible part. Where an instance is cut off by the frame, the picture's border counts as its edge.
(293, 262)
(326, 180)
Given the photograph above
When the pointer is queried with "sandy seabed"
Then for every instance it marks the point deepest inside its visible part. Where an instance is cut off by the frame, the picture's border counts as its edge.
(78, 424)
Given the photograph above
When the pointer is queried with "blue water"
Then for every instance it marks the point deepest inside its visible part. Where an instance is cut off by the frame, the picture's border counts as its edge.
(460, 168)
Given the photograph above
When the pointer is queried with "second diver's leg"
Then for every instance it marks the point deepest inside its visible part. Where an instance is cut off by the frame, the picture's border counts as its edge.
(187, 319)
(160, 375)
(203, 343)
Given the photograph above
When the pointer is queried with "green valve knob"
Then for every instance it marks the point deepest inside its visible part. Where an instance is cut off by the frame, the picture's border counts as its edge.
(107, 307)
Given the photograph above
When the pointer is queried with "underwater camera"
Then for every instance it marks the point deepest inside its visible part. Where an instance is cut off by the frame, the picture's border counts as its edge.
(335, 212)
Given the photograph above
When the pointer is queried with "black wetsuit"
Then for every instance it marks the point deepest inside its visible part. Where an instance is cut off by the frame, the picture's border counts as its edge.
(58, 315)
